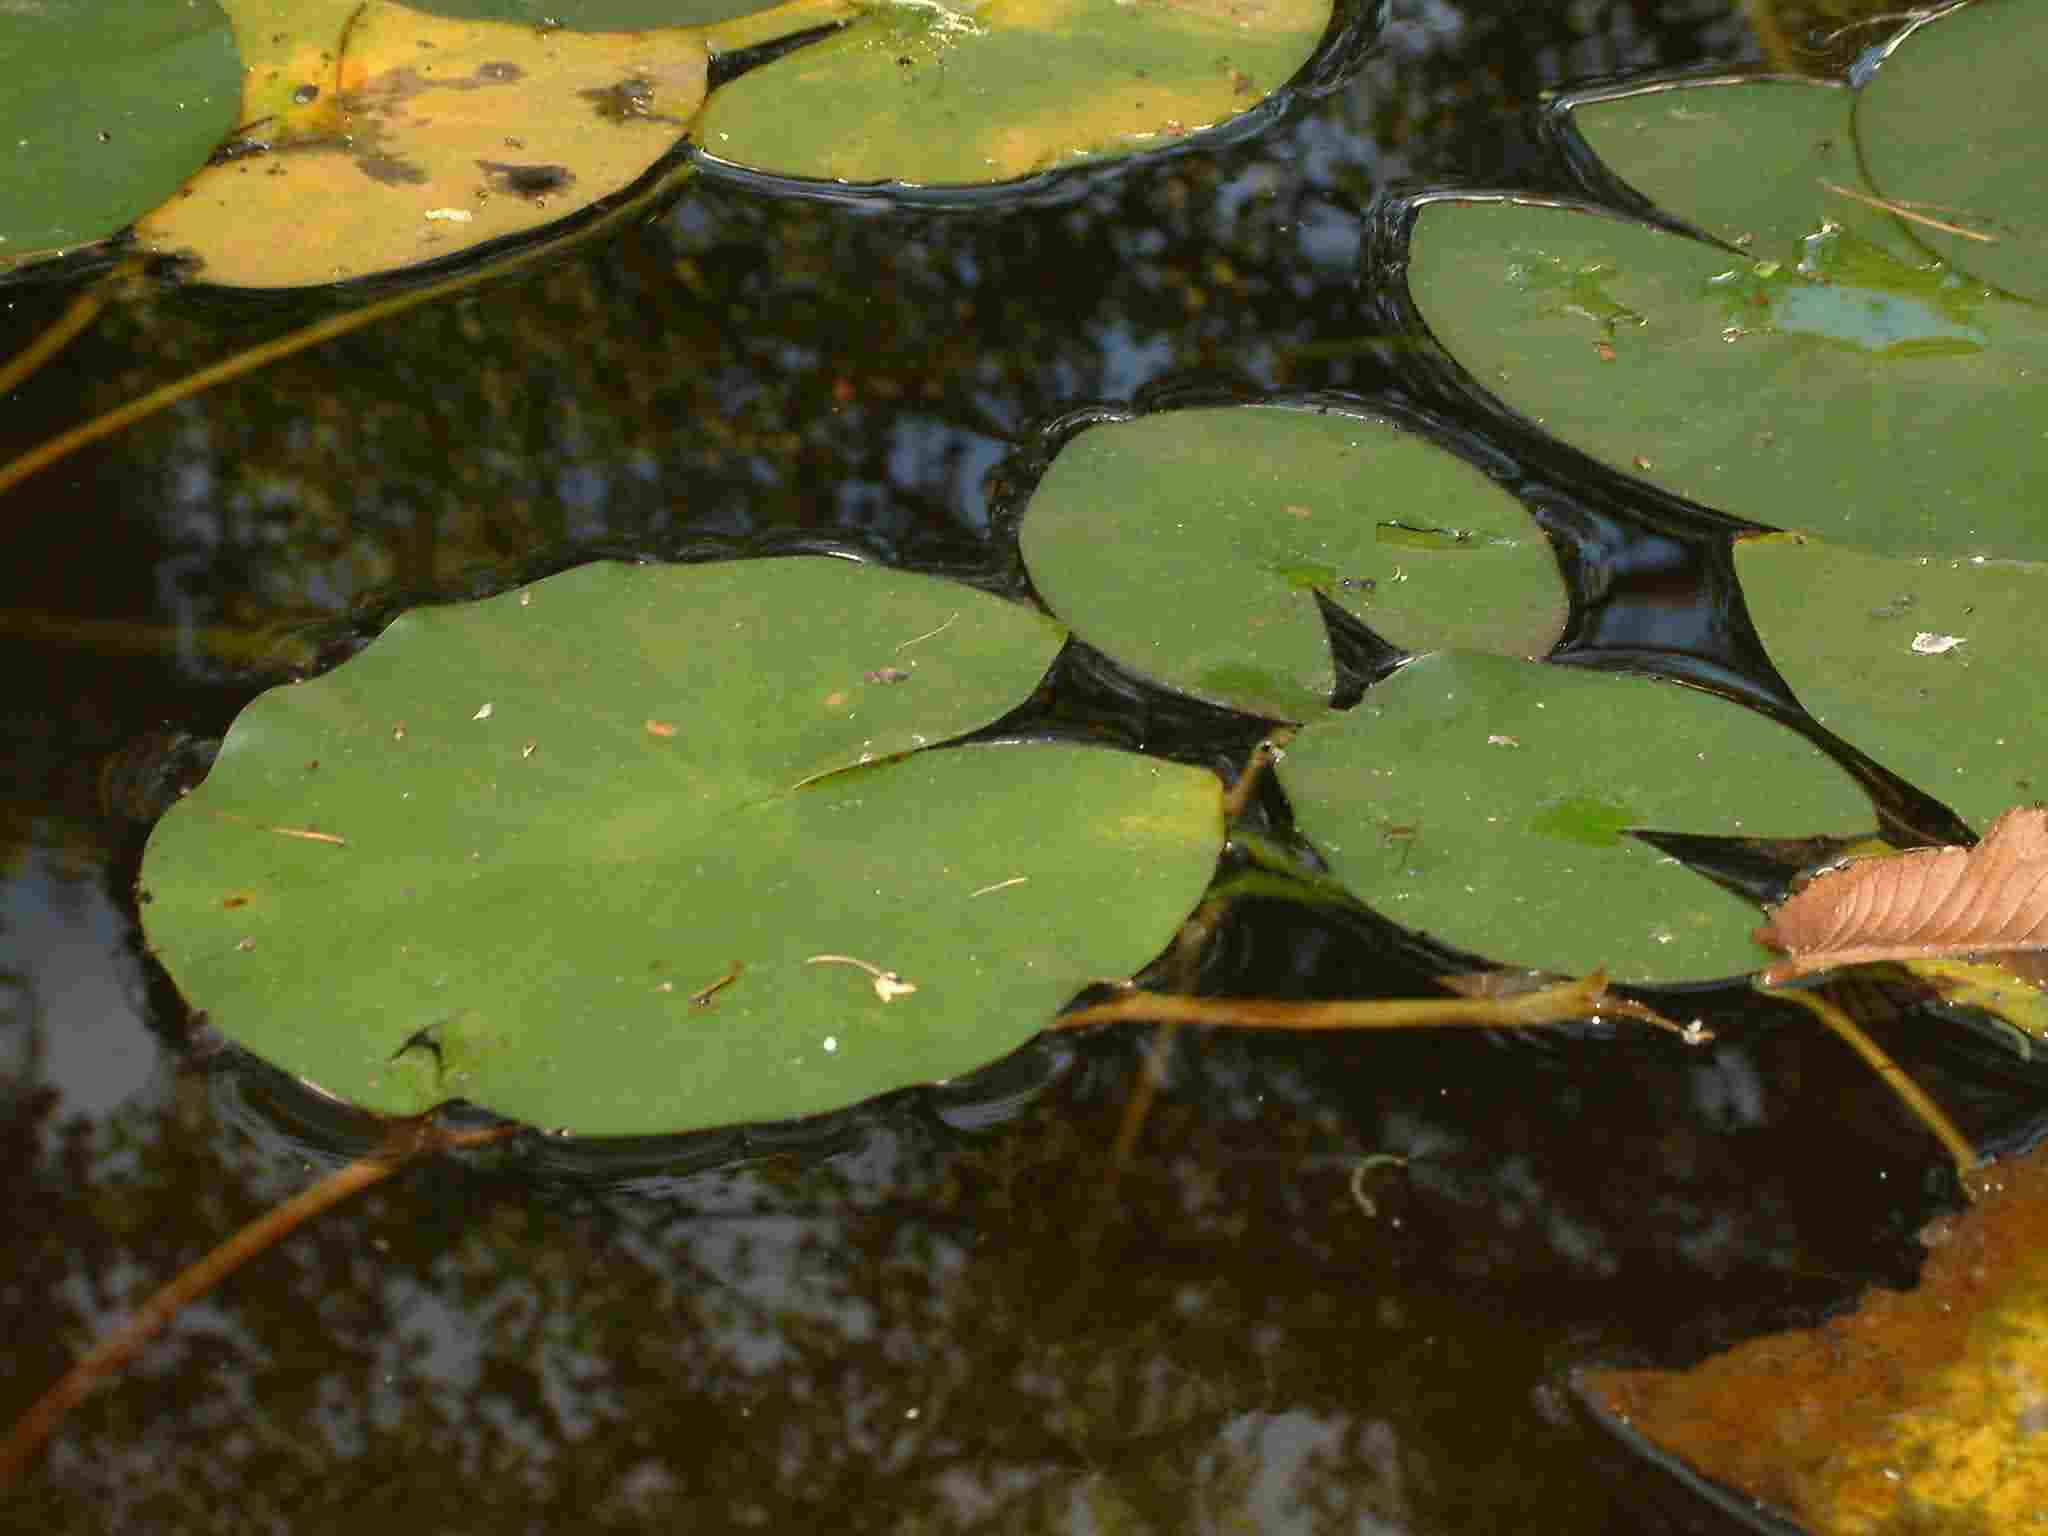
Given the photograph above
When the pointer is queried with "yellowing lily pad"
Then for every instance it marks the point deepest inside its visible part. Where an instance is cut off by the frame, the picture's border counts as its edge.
(1923, 1411)
(1192, 545)
(429, 136)
(1488, 803)
(646, 849)
(946, 92)
(1930, 666)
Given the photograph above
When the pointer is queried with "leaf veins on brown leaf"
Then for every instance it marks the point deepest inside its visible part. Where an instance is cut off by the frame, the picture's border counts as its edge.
(1920, 905)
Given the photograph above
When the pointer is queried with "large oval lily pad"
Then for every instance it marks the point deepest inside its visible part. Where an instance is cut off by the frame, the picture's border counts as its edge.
(946, 92)
(1839, 397)
(1190, 545)
(108, 106)
(1950, 129)
(1488, 802)
(1930, 666)
(602, 868)
(399, 137)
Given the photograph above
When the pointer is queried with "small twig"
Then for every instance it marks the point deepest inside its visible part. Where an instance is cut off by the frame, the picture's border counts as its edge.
(703, 995)
(1924, 1109)
(307, 834)
(409, 1139)
(1000, 885)
(888, 985)
(1905, 211)
(1364, 1166)
(927, 634)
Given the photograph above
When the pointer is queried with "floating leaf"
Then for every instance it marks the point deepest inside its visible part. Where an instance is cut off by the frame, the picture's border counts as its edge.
(1921, 1411)
(1921, 904)
(944, 91)
(1950, 129)
(409, 138)
(1928, 665)
(109, 105)
(642, 893)
(1244, 515)
(1488, 802)
(1761, 164)
(1838, 396)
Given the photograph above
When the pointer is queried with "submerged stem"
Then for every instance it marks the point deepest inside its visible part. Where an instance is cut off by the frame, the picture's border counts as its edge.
(273, 1226)
(1584, 998)
(78, 314)
(1910, 1093)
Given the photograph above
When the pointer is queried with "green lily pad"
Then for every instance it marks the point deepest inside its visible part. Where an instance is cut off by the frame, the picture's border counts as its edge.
(109, 105)
(605, 868)
(1930, 666)
(1760, 163)
(1838, 397)
(1950, 129)
(1488, 803)
(946, 92)
(1242, 515)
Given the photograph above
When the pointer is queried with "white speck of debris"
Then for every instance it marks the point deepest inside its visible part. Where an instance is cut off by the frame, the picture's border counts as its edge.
(483, 712)
(450, 215)
(1503, 741)
(526, 599)
(1927, 643)
(831, 1043)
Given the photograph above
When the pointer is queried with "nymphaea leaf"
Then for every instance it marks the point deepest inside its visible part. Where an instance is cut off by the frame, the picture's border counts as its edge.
(108, 106)
(1925, 903)
(1920, 1411)
(384, 137)
(639, 849)
(1928, 665)
(1191, 546)
(1834, 391)
(1764, 164)
(950, 92)
(1950, 129)
(1489, 803)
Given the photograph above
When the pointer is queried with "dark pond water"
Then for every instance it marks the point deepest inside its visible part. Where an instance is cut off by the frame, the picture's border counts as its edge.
(949, 1311)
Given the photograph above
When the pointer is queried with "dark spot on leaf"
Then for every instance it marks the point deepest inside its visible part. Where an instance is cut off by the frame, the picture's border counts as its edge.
(888, 675)
(525, 180)
(499, 73)
(392, 173)
(305, 95)
(618, 103)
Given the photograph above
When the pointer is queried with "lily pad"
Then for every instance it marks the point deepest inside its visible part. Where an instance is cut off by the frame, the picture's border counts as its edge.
(396, 137)
(946, 92)
(1921, 1411)
(109, 105)
(1488, 802)
(1950, 130)
(635, 850)
(1241, 516)
(1760, 163)
(1930, 666)
(1838, 397)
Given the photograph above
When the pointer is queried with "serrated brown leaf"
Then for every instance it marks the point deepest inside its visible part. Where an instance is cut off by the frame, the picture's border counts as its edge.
(1925, 904)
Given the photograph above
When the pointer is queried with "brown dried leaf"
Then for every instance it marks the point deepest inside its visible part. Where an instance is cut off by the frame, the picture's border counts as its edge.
(1925, 904)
